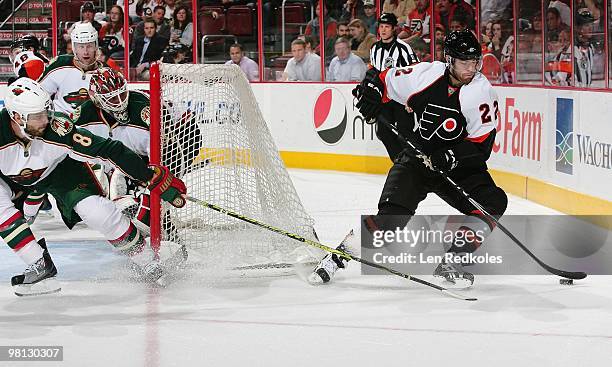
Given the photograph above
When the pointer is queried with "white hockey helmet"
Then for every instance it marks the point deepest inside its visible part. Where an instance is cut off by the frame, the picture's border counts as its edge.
(108, 89)
(84, 32)
(25, 97)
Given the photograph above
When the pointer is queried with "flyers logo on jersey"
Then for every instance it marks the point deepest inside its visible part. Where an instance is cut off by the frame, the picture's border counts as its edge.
(441, 121)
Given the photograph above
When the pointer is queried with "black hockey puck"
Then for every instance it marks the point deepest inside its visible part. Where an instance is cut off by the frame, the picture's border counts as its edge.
(566, 281)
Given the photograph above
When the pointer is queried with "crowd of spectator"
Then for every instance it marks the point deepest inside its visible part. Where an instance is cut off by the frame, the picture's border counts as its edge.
(567, 34)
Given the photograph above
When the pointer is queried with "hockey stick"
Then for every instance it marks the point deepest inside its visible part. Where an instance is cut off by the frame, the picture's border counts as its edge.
(318, 245)
(550, 269)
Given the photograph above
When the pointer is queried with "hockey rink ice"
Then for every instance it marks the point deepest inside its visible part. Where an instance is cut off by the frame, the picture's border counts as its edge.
(103, 320)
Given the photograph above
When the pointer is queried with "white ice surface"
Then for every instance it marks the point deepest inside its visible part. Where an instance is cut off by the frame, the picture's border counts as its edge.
(101, 319)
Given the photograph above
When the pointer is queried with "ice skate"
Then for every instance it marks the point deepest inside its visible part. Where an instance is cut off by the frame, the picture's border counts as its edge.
(453, 275)
(38, 278)
(325, 271)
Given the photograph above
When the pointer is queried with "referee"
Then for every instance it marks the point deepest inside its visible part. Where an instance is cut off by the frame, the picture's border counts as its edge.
(391, 52)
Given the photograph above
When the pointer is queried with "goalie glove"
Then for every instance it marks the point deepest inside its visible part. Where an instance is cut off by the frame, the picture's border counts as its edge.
(369, 95)
(171, 189)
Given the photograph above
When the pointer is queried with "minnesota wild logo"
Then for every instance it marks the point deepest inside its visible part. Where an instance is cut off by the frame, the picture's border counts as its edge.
(75, 99)
(28, 176)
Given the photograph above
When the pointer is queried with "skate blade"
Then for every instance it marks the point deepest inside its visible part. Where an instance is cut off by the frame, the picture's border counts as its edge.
(458, 284)
(47, 286)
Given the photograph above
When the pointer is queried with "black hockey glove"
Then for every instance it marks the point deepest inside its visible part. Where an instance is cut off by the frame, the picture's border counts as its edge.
(443, 160)
(369, 95)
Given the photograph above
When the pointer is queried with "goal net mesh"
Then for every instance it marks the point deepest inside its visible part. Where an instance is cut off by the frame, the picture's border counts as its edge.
(214, 137)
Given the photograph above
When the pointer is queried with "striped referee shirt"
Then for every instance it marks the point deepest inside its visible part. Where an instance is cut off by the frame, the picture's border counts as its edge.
(583, 60)
(396, 53)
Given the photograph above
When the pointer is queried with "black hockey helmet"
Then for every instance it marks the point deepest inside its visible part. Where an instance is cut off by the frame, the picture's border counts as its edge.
(462, 45)
(30, 40)
(388, 18)
(25, 42)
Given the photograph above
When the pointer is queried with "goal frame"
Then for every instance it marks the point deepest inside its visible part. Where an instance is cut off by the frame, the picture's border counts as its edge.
(155, 151)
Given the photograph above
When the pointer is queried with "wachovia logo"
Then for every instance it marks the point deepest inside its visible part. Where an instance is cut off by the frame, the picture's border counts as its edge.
(330, 116)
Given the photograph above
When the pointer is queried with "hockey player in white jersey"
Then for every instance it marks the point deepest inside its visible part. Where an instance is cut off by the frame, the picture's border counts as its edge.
(67, 77)
(50, 155)
(457, 112)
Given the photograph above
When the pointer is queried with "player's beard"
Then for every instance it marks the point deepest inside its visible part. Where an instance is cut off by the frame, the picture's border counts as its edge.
(35, 132)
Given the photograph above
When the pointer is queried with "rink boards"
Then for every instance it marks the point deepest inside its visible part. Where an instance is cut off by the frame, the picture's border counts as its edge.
(553, 146)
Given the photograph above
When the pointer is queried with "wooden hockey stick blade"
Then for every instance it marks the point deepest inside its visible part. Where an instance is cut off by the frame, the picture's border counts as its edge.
(323, 247)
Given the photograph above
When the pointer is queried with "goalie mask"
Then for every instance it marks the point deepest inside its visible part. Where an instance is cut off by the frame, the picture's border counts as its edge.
(108, 90)
(28, 99)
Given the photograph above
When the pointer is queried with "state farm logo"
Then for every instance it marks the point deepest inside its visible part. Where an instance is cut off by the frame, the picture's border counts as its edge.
(330, 116)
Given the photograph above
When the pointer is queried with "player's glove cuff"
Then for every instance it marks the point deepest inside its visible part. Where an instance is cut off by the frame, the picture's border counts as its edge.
(171, 189)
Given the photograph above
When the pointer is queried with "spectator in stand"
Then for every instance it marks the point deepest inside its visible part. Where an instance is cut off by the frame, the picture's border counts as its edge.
(497, 40)
(554, 24)
(312, 28)
(487, 33)
(114, 28)
(176, 54)
(152, 4)
(170, 8)
(362, 39)
(147, 49)
(163, 29)
(248, 66)
(458, 23)
(558, 59)
(181, 30)
(401, 9)
(87, 15)
(88, 12)
(331, 25)
(345, 67)
(309, 41)
(352, 9)
(104, 57)
(442, 13)
(563, 8)
(369, 15)
(418, 23)
(420, 48)
(303, 66)
(132, 4)
(446, 9)
(536, 45)
(343, 30)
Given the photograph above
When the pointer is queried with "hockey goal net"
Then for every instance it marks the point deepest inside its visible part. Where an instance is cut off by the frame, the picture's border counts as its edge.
(214, 137)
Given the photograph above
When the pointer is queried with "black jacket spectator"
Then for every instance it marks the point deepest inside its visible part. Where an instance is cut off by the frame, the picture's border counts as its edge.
(153, 53)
